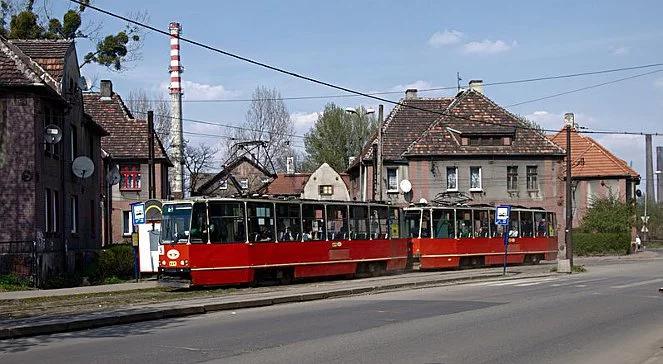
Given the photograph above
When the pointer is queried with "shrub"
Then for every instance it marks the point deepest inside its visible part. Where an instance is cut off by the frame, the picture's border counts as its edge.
(116, 261)
(601, 243)
(13, 282)
(608, 215)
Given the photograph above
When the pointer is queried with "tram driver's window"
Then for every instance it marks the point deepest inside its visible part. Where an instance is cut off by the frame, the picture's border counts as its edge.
(288, 222)
(443, 223)
(313, 219)
(359, 222)
(261, 221)
(552, 224)
(198, 232)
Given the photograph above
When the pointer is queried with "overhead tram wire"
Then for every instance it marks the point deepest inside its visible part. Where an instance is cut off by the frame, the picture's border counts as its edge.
(297, 75)
(526, 80)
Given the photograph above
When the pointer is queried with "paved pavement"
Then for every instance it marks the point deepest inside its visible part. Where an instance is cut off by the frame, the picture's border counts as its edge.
(37, 293)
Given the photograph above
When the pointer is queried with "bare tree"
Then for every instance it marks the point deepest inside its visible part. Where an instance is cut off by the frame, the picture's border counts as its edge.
(141, 101)
(197, 160)
(268, 120)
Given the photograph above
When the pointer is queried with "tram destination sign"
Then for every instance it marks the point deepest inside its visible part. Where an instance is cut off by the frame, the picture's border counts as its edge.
(502, 214)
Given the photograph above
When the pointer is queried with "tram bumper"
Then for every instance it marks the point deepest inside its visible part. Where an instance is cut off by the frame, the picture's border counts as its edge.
(175, 278)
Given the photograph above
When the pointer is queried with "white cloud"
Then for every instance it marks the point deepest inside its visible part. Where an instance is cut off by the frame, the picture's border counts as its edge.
(488, 47)
(448, 37)
(200, 91)
(303, 121)
(555, 121)
(620, 51)
(419, 85)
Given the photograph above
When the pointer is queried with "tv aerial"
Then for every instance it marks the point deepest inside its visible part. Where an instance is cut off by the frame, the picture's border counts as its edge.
(83, 167)
(113, 176)
(52, 134)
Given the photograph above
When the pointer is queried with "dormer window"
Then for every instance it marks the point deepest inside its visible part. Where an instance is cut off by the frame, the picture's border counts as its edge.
(486, 140)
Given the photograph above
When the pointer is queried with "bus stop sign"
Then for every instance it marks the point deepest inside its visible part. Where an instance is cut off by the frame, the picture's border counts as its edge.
(502, 214)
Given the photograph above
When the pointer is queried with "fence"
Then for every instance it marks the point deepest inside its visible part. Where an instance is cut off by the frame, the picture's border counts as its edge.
(31, 259)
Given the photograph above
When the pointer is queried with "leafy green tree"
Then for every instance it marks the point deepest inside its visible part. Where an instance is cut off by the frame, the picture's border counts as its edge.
(336, 136)
(608, 215)
(113, 51)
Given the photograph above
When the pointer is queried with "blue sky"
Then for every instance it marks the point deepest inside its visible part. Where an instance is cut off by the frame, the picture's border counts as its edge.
(391, 45)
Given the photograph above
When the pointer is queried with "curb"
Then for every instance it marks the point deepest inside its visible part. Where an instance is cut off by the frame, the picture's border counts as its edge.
(158, 314)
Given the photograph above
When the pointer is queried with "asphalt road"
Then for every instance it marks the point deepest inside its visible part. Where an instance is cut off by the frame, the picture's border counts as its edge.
(611, 314)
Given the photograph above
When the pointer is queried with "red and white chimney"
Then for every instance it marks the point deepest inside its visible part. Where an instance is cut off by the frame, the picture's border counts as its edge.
(176, 138)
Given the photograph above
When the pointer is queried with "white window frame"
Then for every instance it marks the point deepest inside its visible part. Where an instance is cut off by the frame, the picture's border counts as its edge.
(129, 223)
(223, 185)
(392, 190)
(480, 188)
(447, 178)
(528, 177)
(74, 214)
(244, 184)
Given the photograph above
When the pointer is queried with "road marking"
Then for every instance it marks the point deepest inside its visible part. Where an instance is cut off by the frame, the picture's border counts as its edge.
(535, 283)
(636, 284)
(580, 285)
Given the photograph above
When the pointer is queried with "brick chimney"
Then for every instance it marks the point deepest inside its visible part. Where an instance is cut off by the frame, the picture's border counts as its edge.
(106, 89)
(411, 94)
(477, 85)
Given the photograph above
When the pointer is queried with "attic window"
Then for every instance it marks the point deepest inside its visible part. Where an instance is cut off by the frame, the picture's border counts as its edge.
(507, 140)
(464, 141)
(487, 140)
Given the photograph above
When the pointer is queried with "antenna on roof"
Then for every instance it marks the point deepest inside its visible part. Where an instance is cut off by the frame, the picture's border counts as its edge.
(458, 79)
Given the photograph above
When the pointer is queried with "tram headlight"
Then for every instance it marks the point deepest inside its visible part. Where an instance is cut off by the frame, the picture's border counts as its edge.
(163, 262)
(184, 262)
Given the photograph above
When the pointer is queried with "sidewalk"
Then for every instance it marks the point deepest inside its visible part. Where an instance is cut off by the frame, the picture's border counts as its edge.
(19, 295)
(246, 298)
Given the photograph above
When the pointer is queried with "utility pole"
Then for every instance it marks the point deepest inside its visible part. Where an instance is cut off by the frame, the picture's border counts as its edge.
(659, 168)
(566, 265)
(150, 155)
(649, 168)
(380, 167)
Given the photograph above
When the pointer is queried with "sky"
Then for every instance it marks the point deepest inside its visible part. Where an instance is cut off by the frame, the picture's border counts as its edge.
(377, 46)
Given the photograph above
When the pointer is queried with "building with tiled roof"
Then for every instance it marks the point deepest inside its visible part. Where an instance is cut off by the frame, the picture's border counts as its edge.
(322, 184)
(464, 148)
(127, 149)
(595, 172)
(39, 88)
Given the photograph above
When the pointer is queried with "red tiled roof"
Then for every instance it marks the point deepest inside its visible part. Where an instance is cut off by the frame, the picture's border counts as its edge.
(49, 54)
(443, 137)
(128, 137)
(17, 69)
(591, 159)
(288, 184)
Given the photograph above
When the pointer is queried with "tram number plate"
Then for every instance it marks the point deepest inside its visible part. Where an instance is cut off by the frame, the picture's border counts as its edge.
(339, 254)
(172, 264)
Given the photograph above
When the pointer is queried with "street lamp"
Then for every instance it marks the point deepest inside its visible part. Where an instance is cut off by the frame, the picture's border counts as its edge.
(360, 112)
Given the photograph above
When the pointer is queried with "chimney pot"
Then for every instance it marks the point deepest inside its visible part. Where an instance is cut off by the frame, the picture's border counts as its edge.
(477, 86)
(290, 165)
(411, 94)
(106, 89)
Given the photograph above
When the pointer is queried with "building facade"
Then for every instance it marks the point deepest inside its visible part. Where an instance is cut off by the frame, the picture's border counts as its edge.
(126, 150)
(324, 183)
(41, 200)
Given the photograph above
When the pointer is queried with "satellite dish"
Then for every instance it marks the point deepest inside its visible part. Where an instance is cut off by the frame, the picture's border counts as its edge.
(113, 176)
(406, 186)
(83, 167)
(52, 134)
(423, 201)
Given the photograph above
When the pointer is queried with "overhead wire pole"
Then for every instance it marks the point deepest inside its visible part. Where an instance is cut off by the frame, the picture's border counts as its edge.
(567, 267)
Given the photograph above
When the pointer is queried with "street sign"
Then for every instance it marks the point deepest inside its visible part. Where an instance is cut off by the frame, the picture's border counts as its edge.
(502, 213)
(138, 213)
(645, 219)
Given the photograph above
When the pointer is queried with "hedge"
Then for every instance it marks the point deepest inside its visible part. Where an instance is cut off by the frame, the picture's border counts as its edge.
(601, 243)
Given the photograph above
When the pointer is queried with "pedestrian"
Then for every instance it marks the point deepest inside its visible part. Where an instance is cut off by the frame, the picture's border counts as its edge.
(638, 243)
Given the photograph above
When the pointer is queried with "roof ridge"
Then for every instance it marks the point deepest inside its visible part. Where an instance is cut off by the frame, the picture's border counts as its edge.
(41, 40)
(22, 61)
(618, 161)
(454, 101)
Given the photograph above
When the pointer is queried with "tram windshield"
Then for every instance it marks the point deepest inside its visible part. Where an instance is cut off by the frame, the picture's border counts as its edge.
(175, 223)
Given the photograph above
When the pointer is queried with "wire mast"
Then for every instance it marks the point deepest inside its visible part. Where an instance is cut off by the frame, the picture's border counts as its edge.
(175, 89)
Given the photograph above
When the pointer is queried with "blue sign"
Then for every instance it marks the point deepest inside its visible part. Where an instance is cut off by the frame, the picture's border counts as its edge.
(138, 213)
(502, 214)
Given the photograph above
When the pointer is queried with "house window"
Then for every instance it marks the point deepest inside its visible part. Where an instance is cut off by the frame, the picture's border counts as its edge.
(74, 142)
(392, 179)
(452, 178)
(130, 177)
(51, 201)
(127, 226)
(244, 184)
(532, 178)
(47, 210)
(223, 185)
(475, 178)
(512, 178)
(74, 214)
(326, 190)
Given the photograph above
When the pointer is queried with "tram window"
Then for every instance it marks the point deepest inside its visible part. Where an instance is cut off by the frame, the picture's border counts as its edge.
(337, 222)
(527, 224)
(261, 221)
(379, 222)
(425, 224)
(226, 222)
(552, 224)
(514, 222)
(464, 223)
(313, 219)
(495, 230)
(394, 223)
(541, 224)
(412, 220)
(359, 222)
(288, 222)
(481, 223)
(443, 223)
(198, 232)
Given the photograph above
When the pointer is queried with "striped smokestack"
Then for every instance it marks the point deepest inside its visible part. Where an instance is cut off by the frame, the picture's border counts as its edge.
(177, 150)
